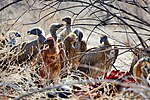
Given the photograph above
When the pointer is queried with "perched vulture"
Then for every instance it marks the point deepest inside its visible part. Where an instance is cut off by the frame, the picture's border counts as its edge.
(97, 61)
(68, 28)
(71, 50)
(10, 40)
(24, 52)
(52, 60)
(80, 44)
(51, 55)
(53, 28)
(138, 54)
(141, 71)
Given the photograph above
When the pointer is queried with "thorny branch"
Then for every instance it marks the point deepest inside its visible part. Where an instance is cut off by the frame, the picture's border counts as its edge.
(10, 4)
(94, 8)
(103, 7)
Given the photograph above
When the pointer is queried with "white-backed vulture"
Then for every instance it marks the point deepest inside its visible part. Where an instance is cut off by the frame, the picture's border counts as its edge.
(9, 40)
(53, 28)
(24, 52)
(80, 44)
(97, 61)
(68, 28)
(141, 71)
(71, 50)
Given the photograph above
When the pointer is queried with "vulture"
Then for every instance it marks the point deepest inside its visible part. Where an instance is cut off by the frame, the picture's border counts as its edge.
(141, 71)
(53, 28)
(71, 50)
(68, 28)
(80, 44)
(10, 40)
(97, 61)
(138, 54)
(51, 56)
(52, 60)
(25, 52)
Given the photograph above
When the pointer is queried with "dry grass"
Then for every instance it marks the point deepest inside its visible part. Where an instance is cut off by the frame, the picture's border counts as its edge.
(23, 83)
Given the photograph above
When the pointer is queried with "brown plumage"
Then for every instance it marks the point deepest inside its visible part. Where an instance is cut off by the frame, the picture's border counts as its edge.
(51, 55)
(138, 54)
(98, 61)
(141, 71)
(64, 59)
(53, 33)
(52, 60)
(24, 52)
(71, 50)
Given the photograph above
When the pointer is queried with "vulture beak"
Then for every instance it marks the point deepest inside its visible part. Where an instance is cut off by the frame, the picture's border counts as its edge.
(67, 20)
(45, 42)
(49, 41)
(102, 39)
(64, 19)
(28, 32)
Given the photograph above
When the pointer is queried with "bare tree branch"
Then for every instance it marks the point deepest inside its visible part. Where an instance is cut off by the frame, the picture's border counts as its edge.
(10, 4)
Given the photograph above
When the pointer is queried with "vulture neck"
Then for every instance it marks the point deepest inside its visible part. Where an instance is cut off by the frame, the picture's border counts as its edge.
(68, 28)
(53, 33)
(41, 39)
(107, 43)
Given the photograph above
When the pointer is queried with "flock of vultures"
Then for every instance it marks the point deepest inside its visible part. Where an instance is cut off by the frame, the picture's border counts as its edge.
(54, 52)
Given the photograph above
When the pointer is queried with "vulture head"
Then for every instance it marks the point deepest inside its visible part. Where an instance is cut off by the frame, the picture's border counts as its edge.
(103, 39)
(12, 37)
(53, 28)
(79, 33)
(39, 32)
(71, 38)
(81, 44)
(36, 31)
(67, 19)
(50, 42)
(14, 34)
